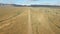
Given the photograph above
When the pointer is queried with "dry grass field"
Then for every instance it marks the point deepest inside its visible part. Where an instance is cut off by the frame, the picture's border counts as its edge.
(13, 20)
(29, 20)
(45, 20)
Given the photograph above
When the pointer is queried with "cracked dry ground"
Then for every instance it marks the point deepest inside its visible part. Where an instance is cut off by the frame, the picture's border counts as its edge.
(29, 20)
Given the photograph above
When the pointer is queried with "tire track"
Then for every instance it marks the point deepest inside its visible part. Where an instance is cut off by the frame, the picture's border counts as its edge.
(10, 17)
(7, 24)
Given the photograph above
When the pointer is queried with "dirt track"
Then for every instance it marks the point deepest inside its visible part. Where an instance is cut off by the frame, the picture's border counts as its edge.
(16, 24)
(28, 20)
(45, 21)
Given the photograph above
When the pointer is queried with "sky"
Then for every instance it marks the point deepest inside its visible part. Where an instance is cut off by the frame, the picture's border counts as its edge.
(29, 2)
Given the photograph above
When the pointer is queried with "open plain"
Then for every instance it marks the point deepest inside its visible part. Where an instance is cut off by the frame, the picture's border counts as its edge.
(29, 20)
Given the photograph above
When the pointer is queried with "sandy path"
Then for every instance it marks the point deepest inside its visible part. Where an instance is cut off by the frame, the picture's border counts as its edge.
(29, 22)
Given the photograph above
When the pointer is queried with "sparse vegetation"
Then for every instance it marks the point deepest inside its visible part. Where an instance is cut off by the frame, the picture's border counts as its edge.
(44, 20)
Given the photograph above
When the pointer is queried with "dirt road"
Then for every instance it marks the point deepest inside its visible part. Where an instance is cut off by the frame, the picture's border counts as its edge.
(29, 20)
